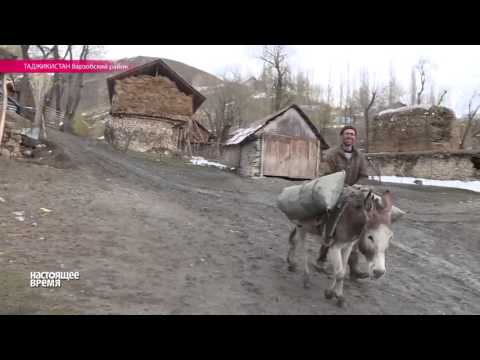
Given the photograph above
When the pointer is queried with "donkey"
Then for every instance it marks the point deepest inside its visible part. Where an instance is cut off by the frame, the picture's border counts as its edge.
(365, 223)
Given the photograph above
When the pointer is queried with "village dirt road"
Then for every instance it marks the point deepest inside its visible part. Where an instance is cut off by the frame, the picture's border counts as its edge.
(165, 237)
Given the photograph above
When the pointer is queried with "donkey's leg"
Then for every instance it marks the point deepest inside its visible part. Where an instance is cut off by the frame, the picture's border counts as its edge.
(293, 241)
(302, 235)
(335, 257)
(338, 290)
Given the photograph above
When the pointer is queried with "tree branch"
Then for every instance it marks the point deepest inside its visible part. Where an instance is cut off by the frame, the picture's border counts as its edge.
(441, 97)
(374, 94)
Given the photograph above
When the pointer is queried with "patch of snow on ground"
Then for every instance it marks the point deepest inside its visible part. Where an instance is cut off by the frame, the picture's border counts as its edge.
(456, 184)
(260, 96)
(198, 160)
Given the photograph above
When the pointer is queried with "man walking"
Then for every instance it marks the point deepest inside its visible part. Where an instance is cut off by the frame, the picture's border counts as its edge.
(350, 159)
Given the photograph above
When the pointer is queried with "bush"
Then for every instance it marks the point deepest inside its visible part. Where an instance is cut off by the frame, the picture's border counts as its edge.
(80, 126)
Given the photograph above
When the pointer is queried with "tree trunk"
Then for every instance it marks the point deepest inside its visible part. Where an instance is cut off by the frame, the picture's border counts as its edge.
(39, 106)
(465, 134)
(4, 107)
(365, 115)
(75, 92)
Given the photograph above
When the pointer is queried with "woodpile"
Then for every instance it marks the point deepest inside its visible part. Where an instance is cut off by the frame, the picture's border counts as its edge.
(150, 95)
(11, 145)
(14, 145)
(413, 128)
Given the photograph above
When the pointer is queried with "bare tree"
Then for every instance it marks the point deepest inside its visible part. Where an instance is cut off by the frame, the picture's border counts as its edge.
(75, 90)
(431, 95)
(325, 113)
(421, 68)
(227, 106)
(341, 94)
(366, 100)
(391, 84)
(394, 90)
(472, 113)
(413, 88)
(41, 84)
(366, 116)
(276, 57)
(4, 107)
(65, 89)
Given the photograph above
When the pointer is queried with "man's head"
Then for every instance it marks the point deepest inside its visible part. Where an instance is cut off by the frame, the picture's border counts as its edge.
(349, 135)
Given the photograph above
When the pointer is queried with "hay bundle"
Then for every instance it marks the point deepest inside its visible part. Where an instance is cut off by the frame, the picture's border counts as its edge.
(412, 128)
(150, 95)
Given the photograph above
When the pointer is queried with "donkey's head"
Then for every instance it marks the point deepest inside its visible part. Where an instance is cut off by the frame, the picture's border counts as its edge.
(376, 236)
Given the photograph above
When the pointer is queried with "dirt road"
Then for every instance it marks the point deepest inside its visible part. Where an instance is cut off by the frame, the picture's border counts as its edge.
(165, 237)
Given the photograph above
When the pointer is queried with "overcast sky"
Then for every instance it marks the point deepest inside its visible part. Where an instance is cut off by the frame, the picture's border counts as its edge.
(455, 67)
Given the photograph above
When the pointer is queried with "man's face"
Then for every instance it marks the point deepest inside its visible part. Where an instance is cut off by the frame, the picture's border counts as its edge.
(349, 137)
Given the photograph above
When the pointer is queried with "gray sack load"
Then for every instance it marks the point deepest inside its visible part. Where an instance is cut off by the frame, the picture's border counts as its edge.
(312, 198)
(317, 196)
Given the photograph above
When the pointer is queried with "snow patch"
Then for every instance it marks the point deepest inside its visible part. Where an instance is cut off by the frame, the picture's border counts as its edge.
(404, 108)
(260, 96)
(198, 160)
(456, 184)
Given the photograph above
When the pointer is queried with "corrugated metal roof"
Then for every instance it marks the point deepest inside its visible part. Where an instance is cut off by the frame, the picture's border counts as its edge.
(241, 134)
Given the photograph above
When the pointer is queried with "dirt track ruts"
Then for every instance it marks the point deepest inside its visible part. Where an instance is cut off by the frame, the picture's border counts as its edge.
(164, 237)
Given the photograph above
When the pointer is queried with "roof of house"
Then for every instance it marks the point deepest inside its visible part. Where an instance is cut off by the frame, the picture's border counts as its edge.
(239, 135)
(161, 68)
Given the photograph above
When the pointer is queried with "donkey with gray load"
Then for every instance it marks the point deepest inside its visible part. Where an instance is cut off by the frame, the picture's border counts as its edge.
(365, 221)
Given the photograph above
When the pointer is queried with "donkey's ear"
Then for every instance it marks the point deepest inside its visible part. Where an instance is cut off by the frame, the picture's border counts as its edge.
(378, 204)
(368, 202)
(387, 200)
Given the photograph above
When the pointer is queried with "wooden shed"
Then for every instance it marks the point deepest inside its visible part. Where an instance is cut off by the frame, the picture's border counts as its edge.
(152, 108)
(283, 144)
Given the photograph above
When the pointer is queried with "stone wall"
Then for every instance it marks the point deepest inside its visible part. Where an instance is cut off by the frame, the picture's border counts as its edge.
(419, 128)
(231, 155)
(150, 95)
(141, 134)
(437, 166)
(251, 158)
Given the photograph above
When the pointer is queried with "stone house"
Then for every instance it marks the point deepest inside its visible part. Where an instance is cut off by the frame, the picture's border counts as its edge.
(420, 141)
(152, 109)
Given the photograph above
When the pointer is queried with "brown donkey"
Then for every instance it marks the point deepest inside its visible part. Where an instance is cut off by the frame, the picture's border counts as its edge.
(365, 223)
